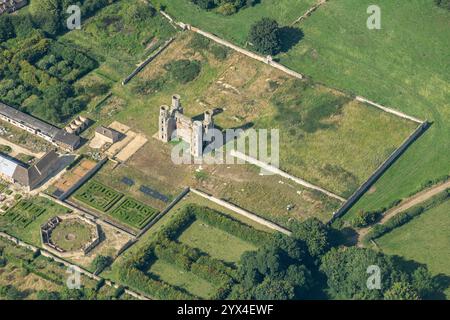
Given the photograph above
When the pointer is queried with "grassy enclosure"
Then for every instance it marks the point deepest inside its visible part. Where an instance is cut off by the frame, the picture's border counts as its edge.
(340, 51)
(71, 235)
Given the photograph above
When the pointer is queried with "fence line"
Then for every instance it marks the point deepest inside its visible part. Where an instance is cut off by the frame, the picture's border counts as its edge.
(379, 171)
(242, 212)
(279, 172)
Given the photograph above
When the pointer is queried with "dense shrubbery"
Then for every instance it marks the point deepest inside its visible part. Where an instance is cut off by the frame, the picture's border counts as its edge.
(37, 72)
(445, 4)
(365, 218)
(225, 7)
(183, 71)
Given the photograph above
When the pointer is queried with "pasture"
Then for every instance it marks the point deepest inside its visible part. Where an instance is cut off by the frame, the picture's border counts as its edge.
(424, 239)
(404, 66)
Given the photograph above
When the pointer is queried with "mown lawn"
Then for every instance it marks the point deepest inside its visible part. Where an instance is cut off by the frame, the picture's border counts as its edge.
(236, 27)
(424, 239)
(217, 243)
(404, 65)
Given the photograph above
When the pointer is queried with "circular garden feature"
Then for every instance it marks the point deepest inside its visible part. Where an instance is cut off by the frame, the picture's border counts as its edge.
(69, 234)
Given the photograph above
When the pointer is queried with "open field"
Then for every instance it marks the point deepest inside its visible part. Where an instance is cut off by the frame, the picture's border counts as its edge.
(403, 66)
(25, 218)
(236, 27)
(424, 239)
(215, 241)
(178, 277)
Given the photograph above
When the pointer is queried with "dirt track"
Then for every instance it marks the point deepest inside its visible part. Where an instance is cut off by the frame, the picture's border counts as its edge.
(406, 204)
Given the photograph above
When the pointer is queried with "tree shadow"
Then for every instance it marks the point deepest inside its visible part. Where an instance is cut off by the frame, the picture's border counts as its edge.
(290, 36)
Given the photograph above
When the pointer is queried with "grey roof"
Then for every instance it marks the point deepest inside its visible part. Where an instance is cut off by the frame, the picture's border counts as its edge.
(28, 120)
(28, 176)
(64, 137)
(108, 132)
(56, 134)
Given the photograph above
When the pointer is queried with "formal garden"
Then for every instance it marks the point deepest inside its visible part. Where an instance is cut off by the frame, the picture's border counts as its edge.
(114, 204)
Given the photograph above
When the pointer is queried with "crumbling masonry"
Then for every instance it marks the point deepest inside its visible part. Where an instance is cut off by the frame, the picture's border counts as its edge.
(174, 124)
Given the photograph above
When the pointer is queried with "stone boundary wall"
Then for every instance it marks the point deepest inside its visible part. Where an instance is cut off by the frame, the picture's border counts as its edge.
(279, 172)
(380, 171)
(389, 110)
(162, 213)
(147, 61)
(268, 60)
(68, 264)
(309, 11)
(80, 182)
(242, 212)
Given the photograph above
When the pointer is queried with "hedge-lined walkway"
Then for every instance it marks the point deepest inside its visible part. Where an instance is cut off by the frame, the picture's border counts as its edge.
(405, 205)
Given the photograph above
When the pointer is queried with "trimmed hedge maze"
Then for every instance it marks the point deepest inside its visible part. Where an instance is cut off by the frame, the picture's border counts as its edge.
(98, 196)
(133, 212)
(106, 200)
(136, 270)
(24, 213)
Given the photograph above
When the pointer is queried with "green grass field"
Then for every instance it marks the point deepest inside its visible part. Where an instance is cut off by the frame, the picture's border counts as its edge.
(404, 65)
(236, 27)
(424, 239)
(215, 242)
(178, 277)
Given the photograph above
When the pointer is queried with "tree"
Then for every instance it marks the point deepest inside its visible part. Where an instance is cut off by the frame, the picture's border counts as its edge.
(265, 36)
(401, 291)
(6, 28)
(315, 234)
(47, 295)
(101, 262)
(271, 289)
(445, 4)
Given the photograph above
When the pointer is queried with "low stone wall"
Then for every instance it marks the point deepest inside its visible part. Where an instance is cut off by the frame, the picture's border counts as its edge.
(242, 212)
(379, 171)
(147, 61)
(80, 182)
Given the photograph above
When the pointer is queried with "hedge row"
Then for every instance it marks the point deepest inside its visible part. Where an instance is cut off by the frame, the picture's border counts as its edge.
(143, 282)
(403, 217)
(229, 225)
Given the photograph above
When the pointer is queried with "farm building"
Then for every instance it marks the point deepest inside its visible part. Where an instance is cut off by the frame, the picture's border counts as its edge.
(52, 134)
(9, 6)
(14, 172)
(108, 135)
